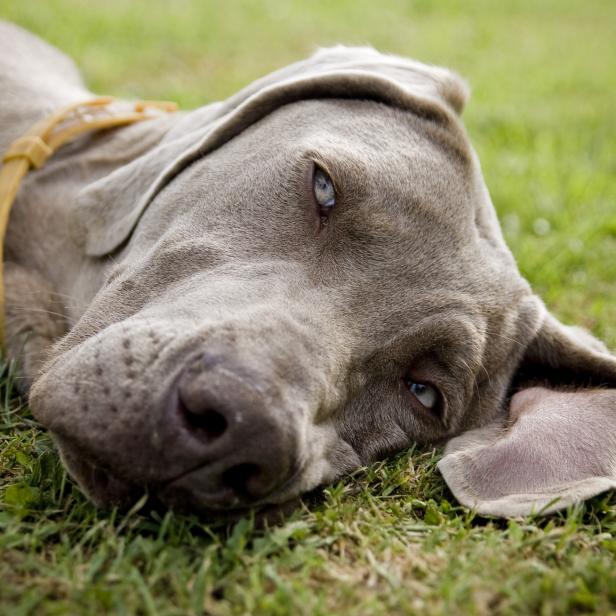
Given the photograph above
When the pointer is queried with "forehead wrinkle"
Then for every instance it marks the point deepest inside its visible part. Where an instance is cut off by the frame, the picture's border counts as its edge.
(447, 327)
(406, 187)
(366, 127)
(384, 122)
(402, 221)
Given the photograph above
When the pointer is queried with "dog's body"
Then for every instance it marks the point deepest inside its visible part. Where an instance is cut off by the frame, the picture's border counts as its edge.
(231, 342)
(49, 279)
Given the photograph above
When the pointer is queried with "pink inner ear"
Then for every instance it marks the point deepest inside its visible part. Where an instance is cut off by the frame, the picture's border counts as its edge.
(557, 445)
(559, 436)
(527, 399)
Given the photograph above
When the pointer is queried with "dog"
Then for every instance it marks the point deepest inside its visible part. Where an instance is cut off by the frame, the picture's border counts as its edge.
(230, 306)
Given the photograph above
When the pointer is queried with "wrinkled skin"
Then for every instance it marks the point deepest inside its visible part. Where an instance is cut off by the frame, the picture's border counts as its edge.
(239, 349)
(347, 310)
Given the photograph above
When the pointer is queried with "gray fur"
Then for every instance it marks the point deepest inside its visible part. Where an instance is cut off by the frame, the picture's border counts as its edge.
(135, 251)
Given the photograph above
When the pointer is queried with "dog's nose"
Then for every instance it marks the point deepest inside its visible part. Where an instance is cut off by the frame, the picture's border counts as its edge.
(243, 451)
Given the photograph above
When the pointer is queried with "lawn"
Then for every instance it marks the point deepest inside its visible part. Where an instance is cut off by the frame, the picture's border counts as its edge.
(390, 539)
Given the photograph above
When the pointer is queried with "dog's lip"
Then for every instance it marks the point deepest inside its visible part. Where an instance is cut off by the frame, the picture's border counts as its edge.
(104, 487)
(124, 495)
(225, 499)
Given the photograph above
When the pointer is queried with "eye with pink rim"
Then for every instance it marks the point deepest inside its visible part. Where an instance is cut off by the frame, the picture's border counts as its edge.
(427, 395)
(324, 192)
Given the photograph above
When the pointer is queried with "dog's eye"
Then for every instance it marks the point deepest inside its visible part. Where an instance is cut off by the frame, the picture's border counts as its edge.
(425, 394)
(324, 191)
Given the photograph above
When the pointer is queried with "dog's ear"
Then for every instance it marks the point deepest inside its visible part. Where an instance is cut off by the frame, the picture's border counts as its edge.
(428, 81)
(556, 444)
(107, 211)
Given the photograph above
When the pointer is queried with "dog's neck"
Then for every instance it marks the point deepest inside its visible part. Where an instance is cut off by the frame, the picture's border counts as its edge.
(39, 237)
(35, 81)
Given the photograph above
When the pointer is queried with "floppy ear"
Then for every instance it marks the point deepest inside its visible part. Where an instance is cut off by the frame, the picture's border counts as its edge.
(557, 443)
(107, 211)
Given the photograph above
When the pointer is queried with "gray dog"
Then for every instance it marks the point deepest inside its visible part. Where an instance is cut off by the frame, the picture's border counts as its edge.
(230, 306)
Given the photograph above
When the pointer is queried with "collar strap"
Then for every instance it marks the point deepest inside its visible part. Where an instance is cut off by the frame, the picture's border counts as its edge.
(44, 138)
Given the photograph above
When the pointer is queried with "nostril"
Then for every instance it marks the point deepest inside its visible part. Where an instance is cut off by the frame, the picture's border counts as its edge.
(209, 423)
(241, 478)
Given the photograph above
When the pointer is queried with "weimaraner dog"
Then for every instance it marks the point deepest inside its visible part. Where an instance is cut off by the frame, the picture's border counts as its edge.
(230, 306)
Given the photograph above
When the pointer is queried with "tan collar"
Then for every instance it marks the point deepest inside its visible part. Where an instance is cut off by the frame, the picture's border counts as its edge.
(44, 138)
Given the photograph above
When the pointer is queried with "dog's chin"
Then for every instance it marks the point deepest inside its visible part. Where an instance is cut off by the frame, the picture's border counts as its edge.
(107, 491)
(103, 488)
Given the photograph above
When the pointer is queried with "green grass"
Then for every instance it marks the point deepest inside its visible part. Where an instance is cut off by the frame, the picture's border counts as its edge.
(390, 539)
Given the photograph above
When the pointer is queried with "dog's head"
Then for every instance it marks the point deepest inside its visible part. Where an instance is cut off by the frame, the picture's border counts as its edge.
(306, 278)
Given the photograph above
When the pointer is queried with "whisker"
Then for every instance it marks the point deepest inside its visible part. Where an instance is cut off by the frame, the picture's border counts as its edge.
(28, 309)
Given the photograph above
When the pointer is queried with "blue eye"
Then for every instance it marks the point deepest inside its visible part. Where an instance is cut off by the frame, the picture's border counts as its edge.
(425, 394)
(323, 189)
